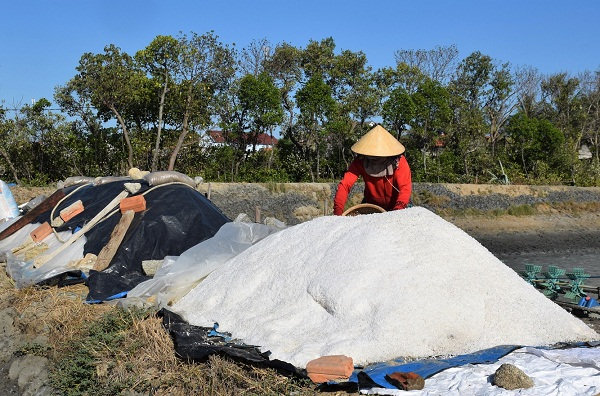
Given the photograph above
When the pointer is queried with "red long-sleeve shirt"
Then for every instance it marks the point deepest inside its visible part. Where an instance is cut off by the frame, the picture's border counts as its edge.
(389, 192)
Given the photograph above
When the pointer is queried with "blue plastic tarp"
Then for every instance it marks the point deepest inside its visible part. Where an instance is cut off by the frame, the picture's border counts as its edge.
(428, 367)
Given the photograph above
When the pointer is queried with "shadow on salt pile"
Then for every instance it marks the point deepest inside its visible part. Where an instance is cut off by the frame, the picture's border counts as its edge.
(76, 228)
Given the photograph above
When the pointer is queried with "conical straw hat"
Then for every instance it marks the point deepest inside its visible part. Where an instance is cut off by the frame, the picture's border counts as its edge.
(378, 143)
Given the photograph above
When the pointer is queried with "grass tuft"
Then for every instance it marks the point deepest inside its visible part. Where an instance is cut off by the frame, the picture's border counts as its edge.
(521, 210)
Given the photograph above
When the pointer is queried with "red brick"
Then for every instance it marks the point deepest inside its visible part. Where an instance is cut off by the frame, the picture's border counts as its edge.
(71, 211)
(327, 368)
(41, 232)
(137, 203)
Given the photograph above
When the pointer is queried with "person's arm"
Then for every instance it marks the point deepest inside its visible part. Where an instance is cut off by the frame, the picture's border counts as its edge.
(403, 179)
(344, 187)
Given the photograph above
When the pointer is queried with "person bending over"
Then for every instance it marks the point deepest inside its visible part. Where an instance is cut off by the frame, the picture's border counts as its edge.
(381, 163)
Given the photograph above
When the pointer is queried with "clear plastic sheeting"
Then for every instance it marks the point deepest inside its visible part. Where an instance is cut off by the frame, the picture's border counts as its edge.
(176, 276)
(24, 272)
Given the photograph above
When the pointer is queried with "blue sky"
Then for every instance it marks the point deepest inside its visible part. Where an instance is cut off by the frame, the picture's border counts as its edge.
(43, 40)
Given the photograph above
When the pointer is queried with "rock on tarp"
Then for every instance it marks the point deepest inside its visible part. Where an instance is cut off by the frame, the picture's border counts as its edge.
(176, 218)
(375, 287)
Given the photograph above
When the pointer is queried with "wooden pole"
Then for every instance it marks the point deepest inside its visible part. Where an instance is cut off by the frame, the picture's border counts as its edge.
(116, 237)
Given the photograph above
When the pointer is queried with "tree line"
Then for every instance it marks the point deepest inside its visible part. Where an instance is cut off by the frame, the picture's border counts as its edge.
(471, 120)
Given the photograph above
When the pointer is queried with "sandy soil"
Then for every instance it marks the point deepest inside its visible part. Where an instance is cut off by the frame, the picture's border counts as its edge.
(554, 222)
(549, 232)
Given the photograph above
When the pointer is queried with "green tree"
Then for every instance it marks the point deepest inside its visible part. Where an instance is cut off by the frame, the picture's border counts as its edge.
(8, 139)
(38, 144)
(470, 91)
(432, 114)
(538, 142)
(316, 106)
(253, 108)
(205, 68)
(111, 80)
(358, 100)
(284, 67)
(399, 110)
(564, 108)
(259, 98)
(160, 60)
(591, 107)
(397, 87)
(318, 58)
(500, 103)
(98, 147)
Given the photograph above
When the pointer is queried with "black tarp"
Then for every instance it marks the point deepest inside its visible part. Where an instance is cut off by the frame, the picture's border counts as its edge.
(176, 218)
(197, 343)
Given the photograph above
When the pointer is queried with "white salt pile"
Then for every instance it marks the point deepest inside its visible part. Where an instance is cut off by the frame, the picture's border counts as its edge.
(375, 287)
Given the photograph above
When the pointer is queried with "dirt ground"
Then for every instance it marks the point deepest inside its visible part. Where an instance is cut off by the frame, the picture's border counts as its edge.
(25, 194)
(551, 222)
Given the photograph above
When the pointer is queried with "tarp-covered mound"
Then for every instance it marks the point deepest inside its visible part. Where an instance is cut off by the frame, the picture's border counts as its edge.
(375, 287)
(176, 218)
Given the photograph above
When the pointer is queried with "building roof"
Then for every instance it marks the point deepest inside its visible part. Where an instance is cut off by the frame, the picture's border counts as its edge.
(264, 139)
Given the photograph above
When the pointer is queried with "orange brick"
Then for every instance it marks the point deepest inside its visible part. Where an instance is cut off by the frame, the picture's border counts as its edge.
(137, 203)
(41, 232)
(327, 368)
(71, 211)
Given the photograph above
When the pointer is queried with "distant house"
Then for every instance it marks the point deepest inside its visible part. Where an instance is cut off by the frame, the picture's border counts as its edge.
(265, 142)
(215, 137)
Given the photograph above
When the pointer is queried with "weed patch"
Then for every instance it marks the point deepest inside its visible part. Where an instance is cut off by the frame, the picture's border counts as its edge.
(427, 198)
(75, 371)
(521, 210)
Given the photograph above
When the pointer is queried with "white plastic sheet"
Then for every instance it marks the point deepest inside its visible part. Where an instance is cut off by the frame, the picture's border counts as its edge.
(24, 272)
(178, 275)
(555, 372)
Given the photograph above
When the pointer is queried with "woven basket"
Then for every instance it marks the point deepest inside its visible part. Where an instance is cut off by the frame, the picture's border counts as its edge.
(362, 209)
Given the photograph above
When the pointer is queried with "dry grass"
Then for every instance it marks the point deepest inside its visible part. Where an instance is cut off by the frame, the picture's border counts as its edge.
(99, 349)
(58, 312)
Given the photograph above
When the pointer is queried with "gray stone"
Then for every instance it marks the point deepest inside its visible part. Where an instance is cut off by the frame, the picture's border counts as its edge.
(9, 337)
(30, 372)
(511, 377)
(151, 266)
